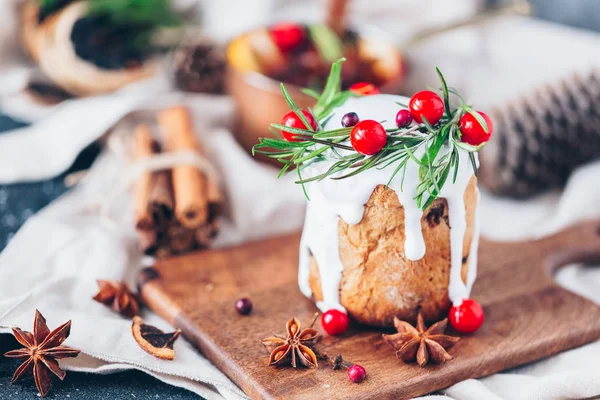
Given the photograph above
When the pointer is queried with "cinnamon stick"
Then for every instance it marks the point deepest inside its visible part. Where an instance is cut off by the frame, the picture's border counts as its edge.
(180, 239)
(143, 147)
(336, 15)
(161, 199)
(147, 241)
(189, 184)
(205, 234)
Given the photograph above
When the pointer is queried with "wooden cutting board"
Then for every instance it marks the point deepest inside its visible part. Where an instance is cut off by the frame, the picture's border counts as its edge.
(527, 317)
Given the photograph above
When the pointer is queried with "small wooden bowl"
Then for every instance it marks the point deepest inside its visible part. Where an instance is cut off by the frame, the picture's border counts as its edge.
(259, 98)
(49, 44)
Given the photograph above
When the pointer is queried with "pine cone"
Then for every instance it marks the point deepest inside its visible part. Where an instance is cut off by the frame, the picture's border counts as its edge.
(200, 67)
(541, 138)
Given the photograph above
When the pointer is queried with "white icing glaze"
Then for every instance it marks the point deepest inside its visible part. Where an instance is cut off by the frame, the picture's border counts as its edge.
(334, 199)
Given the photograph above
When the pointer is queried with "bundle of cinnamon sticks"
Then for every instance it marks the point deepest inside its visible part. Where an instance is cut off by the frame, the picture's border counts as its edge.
(176, 210)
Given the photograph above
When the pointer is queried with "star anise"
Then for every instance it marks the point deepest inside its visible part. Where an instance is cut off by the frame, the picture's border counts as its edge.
(42, 349)
(118, 297)
(296, 347)
(423, 345)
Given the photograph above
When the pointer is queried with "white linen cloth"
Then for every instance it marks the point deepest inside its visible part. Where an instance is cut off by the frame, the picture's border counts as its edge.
(53, 261)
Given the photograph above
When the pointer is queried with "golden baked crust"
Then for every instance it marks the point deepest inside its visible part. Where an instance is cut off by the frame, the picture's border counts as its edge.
(378, 282)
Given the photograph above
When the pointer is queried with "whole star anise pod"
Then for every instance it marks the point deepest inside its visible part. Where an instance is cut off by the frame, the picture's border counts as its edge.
(118, 297)
(294, 348)
(42, 349)
(423, 345)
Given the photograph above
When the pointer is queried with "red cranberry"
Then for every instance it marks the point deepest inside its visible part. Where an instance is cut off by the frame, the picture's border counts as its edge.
(472, 131)
(243, 306)
(335, 322)
(287, 36)
(364, 89)
(426, 104)
(350, 119)
(357, 373)
(467, 317)
(368, 137)
(291, 119)
(403, 119)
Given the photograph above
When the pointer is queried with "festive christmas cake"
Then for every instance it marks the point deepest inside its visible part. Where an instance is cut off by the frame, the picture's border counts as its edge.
(391, 225)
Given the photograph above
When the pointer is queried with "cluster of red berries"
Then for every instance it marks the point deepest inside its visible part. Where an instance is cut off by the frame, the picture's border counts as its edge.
(368, 137)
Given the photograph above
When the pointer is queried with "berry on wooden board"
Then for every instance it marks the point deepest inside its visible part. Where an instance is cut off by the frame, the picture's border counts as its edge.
(467, 317)
(293, 121)
(368, 137)
(357, 373)
(243, 306)
(426, 104)
(472, 132)
(335, 322)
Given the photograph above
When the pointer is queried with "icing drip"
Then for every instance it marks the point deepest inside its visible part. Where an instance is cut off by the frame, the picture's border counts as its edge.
(472, 274)
(458, 225)
(334, 199)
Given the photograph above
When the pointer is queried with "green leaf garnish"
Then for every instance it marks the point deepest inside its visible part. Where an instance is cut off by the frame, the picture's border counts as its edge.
(435, 166)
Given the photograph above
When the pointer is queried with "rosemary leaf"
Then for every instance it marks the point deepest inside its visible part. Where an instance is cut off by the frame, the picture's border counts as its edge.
(470, 148)
(333, 133)
(412, 156)
(473, 163)
(295, 107)
(332, 87)
(444, 92)
(327, 119)
(283, 170)
(455, 92)
(310, 92)
(477, 116)
(401, 165)
(456, 164)
(303, 186)
(319, 145)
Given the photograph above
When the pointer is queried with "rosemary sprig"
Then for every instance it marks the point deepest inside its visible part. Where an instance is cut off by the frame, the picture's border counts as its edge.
(333, 145)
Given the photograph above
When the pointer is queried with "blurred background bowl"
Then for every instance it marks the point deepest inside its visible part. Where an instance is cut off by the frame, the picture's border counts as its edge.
(259, 98)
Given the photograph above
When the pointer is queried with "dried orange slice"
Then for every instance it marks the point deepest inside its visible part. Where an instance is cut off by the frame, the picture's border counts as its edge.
(153, 340)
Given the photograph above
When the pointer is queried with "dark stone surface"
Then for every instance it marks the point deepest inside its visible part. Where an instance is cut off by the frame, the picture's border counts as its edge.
(17, 203)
